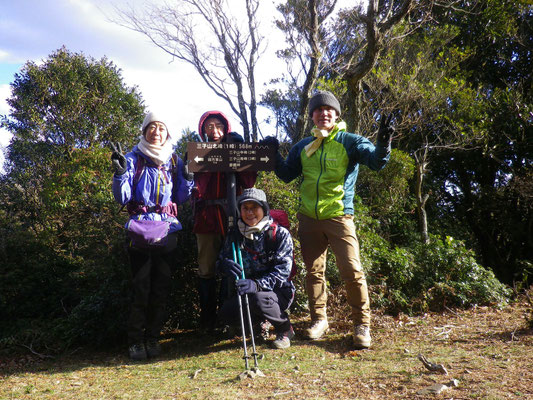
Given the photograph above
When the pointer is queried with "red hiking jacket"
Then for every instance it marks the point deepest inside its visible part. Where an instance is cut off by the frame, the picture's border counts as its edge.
(210, 193)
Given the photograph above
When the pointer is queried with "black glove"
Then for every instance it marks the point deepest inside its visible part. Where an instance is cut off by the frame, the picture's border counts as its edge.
(246, 286)
(186, 174)
(118, 160)
(385, 130)
(231, 268)
(271, 141)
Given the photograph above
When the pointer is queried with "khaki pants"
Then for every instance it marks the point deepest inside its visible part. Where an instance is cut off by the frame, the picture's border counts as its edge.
(339, 233)
(209, 245)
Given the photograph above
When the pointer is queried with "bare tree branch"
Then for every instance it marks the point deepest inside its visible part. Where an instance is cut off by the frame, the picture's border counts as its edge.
(204, 34)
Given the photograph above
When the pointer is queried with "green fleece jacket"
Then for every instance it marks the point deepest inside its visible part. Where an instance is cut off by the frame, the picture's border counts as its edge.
(329, 175)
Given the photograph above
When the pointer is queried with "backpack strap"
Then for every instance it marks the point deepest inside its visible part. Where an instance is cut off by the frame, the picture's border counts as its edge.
(141, 162)
(272, 245)
(271, 235)
(139, 169)
(174, 161)
(135, 208)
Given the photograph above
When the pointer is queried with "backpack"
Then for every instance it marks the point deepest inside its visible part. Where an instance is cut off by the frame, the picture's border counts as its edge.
(139, 169)
(280, 217)
(134, 207)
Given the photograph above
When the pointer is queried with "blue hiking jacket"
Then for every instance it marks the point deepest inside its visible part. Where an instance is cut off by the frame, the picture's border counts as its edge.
(155, 186)
(266, 260)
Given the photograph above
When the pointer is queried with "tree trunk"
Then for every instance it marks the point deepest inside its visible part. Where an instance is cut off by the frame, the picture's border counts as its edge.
(302, 123)
(421, 198)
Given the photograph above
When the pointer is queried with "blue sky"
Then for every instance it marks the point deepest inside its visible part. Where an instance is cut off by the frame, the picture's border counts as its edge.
(34, 29)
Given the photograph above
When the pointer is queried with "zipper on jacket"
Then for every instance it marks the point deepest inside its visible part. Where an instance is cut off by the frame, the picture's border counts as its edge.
(157, 195)
(318, 179)
(162, 177)
(217, 208)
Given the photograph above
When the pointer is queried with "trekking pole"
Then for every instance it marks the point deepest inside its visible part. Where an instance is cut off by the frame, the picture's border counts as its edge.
(232, 218)
(254, 354)
(241, 314)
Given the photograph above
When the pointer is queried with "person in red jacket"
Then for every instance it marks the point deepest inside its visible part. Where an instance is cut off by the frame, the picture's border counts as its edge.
(210, 203)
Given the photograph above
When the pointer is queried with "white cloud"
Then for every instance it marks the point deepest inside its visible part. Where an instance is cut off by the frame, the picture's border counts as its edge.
(3, 55)
(5, 92)
(170, 87)
(33, 29)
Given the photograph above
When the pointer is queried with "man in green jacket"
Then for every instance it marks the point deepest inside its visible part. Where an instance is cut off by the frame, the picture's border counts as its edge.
(329, 162)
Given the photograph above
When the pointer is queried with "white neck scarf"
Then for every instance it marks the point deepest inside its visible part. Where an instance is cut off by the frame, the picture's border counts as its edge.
(158, 154)
(248, 231)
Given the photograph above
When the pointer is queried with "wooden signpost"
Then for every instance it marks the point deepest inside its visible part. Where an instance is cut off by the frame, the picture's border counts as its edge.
(229, 157)
(232, 158)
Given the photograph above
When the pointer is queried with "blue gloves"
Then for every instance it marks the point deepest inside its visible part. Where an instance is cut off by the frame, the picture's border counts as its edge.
(231, 268)
(271, 141)
(246, 286)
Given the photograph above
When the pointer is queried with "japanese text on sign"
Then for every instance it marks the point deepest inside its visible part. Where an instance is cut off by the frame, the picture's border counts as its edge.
(227, 157)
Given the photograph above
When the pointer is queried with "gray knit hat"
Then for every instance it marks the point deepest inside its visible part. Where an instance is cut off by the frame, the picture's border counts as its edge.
(324, 98)
(152, 117)
(256, 195)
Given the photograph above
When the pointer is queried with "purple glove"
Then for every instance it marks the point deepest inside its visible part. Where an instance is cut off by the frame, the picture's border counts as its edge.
(231, 268)
(245, 286)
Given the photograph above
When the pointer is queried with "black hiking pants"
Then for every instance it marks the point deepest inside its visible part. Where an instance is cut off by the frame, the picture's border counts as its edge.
(270, 305)
(151, 272)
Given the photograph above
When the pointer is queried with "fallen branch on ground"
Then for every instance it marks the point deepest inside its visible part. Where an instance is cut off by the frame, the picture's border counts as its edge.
(431, 366)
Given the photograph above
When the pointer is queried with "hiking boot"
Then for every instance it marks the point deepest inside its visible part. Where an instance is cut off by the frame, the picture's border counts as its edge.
(317, 329)
(283, 339)
(153, 348)
(137, 352)
(361, 336)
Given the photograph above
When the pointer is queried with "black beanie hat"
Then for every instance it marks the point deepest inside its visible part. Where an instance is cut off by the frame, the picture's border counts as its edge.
(324, 98)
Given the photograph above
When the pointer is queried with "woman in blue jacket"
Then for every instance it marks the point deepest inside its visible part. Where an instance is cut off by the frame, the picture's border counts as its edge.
(151, 181)
(267, 257)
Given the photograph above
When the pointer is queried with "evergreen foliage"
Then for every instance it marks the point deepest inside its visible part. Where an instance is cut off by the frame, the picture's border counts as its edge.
(64, 275)
(64, 271)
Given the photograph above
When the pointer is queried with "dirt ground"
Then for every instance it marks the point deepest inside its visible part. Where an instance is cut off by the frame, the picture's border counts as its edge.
(486, 352)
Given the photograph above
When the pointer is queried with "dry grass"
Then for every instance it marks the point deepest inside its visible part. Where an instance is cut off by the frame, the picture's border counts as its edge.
(488, 351)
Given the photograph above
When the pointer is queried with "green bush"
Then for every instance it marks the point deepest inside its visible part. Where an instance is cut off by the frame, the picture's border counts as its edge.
(99, 319)
(442, 274)
(66, 285)
(54, 300)
(410, 278)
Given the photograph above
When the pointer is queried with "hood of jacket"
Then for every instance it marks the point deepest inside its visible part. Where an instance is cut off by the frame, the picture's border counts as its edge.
(217, 114)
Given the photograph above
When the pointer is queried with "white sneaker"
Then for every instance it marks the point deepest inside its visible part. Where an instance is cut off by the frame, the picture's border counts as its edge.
(317, 329)
(361, 336)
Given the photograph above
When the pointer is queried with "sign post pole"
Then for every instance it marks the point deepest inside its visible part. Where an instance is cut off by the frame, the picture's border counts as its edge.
(231, 158)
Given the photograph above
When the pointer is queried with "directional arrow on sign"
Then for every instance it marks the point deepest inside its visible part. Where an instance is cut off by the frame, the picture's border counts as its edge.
(230, 157)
